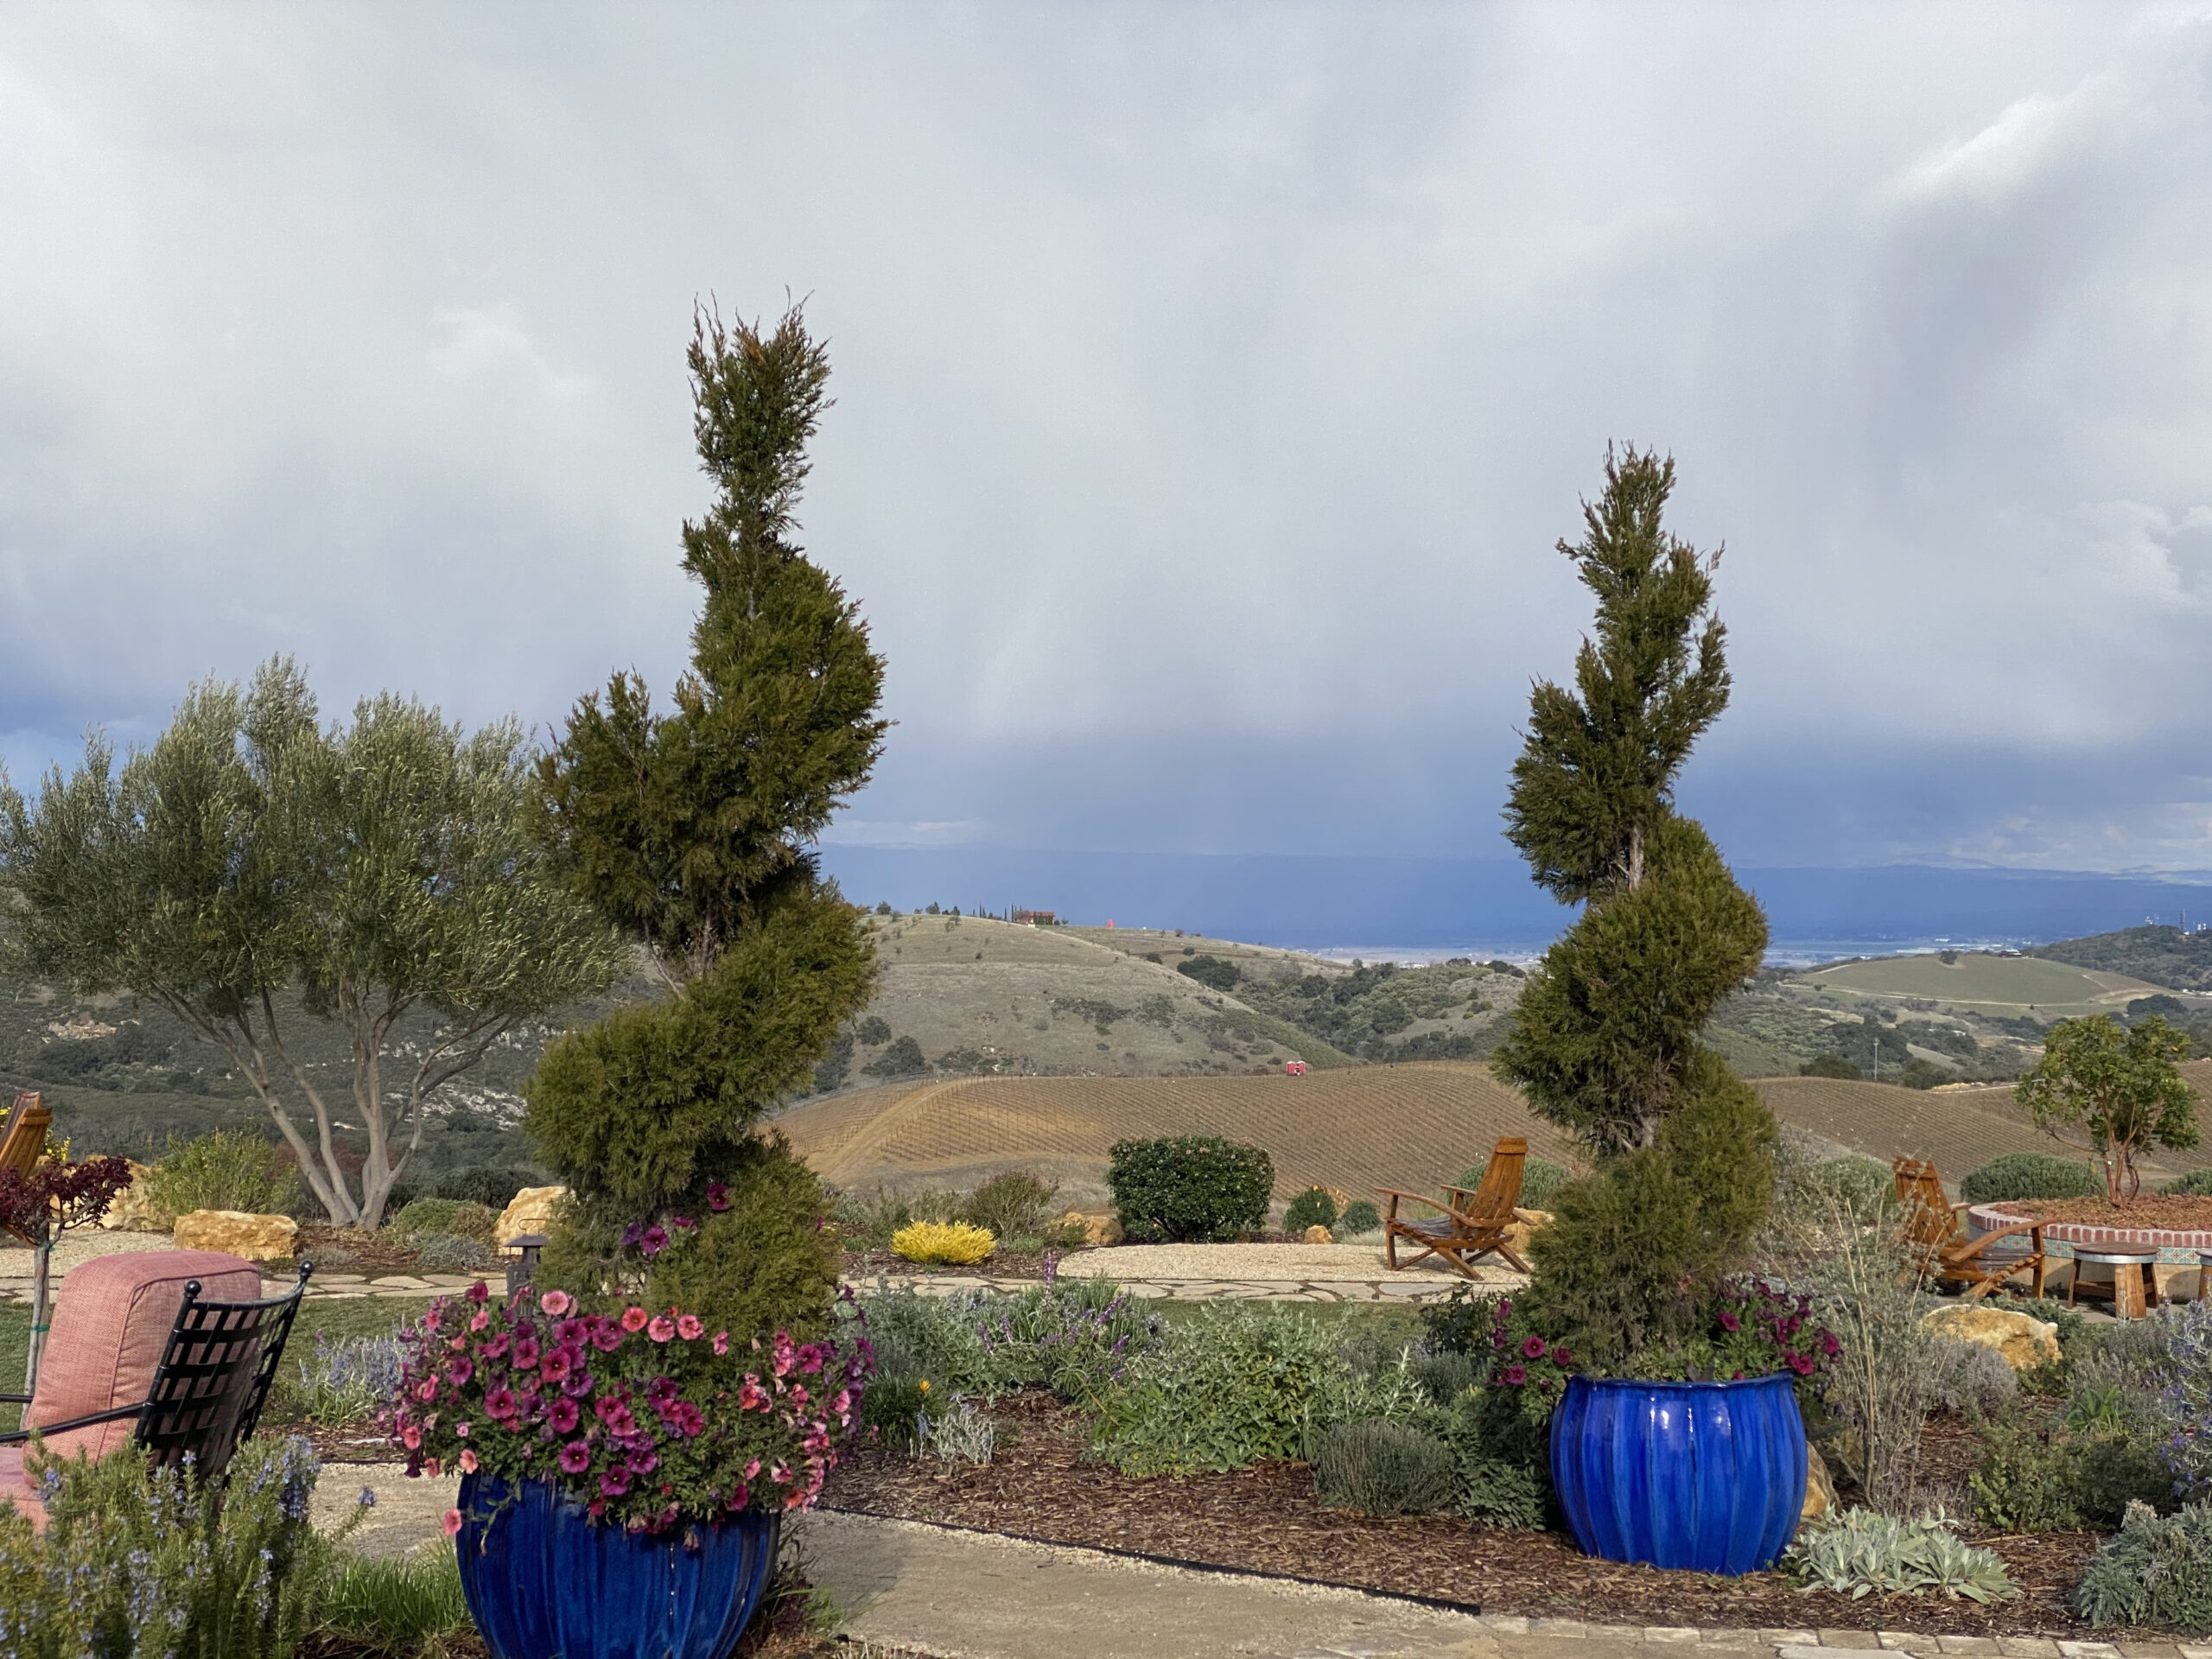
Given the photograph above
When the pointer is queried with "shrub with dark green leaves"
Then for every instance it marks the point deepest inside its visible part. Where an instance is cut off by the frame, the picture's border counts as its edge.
(1360, 1216)
(2082, 1468)
(1311, 1208)
(1830, 1065)
(1213, 972)
(1013, 1205)
(902, 1057)
(2030, 1175)
(1193, 1187)
(2196, 1185)
(2157, 1570)
(1384, 1468)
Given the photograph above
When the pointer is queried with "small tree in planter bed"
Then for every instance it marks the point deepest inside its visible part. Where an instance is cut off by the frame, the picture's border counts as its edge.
(1606, 1036)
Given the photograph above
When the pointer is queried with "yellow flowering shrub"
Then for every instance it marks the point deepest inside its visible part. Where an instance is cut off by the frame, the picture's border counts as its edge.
(954, 1242)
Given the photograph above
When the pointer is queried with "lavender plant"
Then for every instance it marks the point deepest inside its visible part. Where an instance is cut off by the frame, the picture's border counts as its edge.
(137, 1561)
(348, 1381)
(2189, 1397)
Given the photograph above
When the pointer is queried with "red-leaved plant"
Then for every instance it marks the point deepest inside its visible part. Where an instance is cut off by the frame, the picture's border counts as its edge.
(648, 1419)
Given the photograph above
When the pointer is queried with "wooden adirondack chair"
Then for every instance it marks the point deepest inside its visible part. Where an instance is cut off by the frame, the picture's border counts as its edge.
(23, 1141)
(1946, 1250)
(1472, 1223)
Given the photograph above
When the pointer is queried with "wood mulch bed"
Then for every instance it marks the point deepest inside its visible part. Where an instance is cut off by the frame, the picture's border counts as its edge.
(2173, 1211)
(1268, 1519)
(863, 1265)
(346, 1249)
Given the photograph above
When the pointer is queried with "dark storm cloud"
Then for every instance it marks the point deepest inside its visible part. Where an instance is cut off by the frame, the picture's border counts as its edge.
(1212, 384)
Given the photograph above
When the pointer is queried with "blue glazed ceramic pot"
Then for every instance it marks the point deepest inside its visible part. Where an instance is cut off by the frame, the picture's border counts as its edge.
(1709, 1476)
(544, 1582)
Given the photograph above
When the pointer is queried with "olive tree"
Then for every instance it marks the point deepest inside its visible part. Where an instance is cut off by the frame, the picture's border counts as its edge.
(252, 870)
(2123, 1090)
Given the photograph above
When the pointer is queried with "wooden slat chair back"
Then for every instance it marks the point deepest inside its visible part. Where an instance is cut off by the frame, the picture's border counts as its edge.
(1946, 1250)
(210, 1387)
(23, 1142)
(1473, 1223)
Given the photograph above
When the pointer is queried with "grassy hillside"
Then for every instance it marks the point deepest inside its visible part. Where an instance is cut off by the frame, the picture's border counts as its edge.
(1982, 981)
(2161, 956)
(1414, 1127)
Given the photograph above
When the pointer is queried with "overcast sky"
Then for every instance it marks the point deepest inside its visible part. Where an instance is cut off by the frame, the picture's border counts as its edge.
(1212, 384)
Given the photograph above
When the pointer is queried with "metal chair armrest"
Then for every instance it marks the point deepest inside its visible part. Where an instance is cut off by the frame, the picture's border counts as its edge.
(117, 1415)
(15, 1399)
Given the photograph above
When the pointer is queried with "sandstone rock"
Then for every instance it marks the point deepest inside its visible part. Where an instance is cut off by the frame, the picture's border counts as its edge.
(234, 1232)
(1819, 1490)
(1101, 1228)
(1317, 1234)
(1524, 1226)
(132, 1210)
(2026, 1342)
(530, 1211)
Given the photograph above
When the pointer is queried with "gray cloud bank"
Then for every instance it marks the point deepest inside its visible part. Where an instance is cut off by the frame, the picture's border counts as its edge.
(1212, 384)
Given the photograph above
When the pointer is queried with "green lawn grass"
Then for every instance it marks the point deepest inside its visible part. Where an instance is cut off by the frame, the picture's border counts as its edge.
(332, 1316)
(1996, 984)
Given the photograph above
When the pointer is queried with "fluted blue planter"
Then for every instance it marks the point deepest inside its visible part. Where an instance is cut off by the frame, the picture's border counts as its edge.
(1709, 1476)
(544, 1582)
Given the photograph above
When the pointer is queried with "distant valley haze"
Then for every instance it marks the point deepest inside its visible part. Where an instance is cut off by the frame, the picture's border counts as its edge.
(1211, 385)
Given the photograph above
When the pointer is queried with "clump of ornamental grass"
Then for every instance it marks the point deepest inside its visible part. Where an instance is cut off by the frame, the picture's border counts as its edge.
(946, 1244)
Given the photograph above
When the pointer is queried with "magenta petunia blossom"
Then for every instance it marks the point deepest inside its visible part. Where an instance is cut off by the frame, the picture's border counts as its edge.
(499, 1404)
(1514, 1375)
(461, 1371)
(1533, 1348)
(654, 1241)
(1800, 1363)
(615, 1481)
(607, 1337)
(718, 1196)
(527, 1353)
(555, 1365)
(1729, 1322)
(575, 1457)
(577, 1383)
(562, 1415)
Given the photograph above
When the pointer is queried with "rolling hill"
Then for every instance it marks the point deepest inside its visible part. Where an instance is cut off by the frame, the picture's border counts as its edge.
(1983, 982)
(1412, 1126)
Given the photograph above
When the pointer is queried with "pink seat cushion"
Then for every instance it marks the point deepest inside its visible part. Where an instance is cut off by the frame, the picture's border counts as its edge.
(111, 1325)
(16, 1489)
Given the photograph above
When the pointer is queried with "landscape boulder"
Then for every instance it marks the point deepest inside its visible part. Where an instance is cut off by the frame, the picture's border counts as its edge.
(1524, 1226)
(1102, 1229)
(530, 1211)
(1819, 1490)
(236, 1232)
(132, 1210)
(2026, 1342)
(1317, 1234)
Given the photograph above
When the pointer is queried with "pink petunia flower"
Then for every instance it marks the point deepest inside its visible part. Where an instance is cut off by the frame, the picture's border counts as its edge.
(462, 1429)
(412, 1437)
(557, 1302)
(555, 1365)
(525, 1353)
(1729, 1322)
(499, 1404)
(615, 1481)
(689, 1328)
(452, 1523)
(461, 1371)
(478, 1291)
(467, 1461)
(482, 1317)
(563, 1416)
(718, 1196)
(662, 1329)
(575, 1457)
(721, 1342)
(1514, 1375)
(435, 1465)
(428, 1390)
(634, 1317)
(607, 1337)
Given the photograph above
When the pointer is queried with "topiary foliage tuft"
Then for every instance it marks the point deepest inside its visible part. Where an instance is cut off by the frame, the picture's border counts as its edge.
(1191, 1187)
(692, 830)
(1605, 1039)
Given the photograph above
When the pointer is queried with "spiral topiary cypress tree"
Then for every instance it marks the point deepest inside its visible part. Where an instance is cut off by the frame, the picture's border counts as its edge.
(1605, 1041)
(691, 830)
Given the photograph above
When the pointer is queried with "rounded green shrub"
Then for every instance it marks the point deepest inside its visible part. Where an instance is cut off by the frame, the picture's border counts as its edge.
(2156, 1571)
(1311, 1208)
(2030, 1175)
(1541, 1180)
(1384, 1468)
(494, 1186)
(453, 1252)
(455, 1215)
(229, 1169)
(1831, 1066)
(1360, 1216)
(2196, 1185)
(1191, 1187)
(1013, 1205)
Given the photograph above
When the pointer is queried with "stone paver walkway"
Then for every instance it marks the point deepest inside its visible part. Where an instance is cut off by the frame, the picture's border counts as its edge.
(1409, 1288)
(78, 1248)
(1207, 1272)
